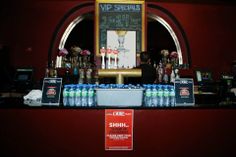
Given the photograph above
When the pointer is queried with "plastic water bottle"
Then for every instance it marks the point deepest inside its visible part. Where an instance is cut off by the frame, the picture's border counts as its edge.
(148, 95)
(144, 95)
(72, 95)
(78, 95)
(172, 96)
(66, 96)
(166, 96)
(95, 94)
(160, 96)
(84, 95)
(154, 96)
(90, 95)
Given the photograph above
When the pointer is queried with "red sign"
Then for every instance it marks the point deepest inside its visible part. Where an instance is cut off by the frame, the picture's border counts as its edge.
(119, 129)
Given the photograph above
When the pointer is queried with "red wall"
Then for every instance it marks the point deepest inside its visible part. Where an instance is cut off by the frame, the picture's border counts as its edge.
(27, 27)
(80, 132)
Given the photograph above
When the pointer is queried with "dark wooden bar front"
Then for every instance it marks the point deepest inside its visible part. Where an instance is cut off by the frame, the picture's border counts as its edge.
(190, 132)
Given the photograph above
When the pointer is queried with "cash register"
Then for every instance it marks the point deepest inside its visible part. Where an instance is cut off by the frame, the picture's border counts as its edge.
(206, 89)
(23, 79)
(21, 84)
(205, 81)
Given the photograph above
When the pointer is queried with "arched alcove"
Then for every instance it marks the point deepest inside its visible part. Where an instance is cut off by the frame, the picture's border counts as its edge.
(66, 25)
(78, 16)
(174, 29)
(159, 38)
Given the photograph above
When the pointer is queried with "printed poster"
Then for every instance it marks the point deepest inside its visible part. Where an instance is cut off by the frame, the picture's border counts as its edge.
(51, 91)
(184, 92)
(119, 129)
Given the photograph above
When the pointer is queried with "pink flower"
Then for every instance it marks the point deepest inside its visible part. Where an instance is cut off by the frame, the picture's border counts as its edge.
(173, 55)
(85, 52)
(62, 52)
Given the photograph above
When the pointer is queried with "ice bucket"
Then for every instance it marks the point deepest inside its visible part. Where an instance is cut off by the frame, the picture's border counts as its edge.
(119, 97)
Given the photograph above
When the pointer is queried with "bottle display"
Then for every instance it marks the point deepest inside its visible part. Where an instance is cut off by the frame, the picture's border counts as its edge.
(84, 95)
(66, 95)
(158, 95)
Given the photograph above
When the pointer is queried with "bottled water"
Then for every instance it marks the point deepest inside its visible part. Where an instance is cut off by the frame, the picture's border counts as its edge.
(166, 96)
(78, 95)
(84, 96)
(148, 95)
(66, 95)
(72, 95)
(160, 96)
(172, 96)
(95, 94)
(154, 96)
(144, 95)
(90, 95)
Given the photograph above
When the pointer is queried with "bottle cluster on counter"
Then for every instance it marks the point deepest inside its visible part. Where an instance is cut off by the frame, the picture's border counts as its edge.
(79, 95)
(84, 95)
(157, 95)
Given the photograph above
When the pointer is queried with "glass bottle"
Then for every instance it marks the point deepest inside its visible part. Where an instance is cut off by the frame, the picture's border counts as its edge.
(46, 71)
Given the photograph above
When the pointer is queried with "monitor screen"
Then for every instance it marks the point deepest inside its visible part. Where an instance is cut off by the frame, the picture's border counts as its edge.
(23, 74)
(23, 77)
(203, 76)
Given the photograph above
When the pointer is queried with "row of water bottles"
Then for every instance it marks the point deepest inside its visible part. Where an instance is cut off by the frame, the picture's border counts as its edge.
(80, 95)
(157, 95)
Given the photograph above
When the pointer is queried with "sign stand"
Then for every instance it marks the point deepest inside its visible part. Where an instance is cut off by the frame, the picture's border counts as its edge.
(51, 91)
(184, 92)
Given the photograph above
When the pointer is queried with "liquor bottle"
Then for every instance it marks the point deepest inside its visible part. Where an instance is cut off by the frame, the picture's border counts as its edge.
(52, 70)
(46, 71)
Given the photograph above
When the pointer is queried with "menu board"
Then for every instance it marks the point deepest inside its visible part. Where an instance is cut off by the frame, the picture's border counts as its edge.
(184, 92)
(51, 91)
(120, 15)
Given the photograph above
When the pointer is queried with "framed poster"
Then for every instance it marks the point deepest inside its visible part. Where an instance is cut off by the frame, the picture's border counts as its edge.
(119, 129)
(120, 15)
(184, 92)
(51, 91)
(125, 42)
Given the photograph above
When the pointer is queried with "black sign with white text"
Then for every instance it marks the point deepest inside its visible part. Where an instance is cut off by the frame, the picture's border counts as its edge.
(51, 91)
(184, 92)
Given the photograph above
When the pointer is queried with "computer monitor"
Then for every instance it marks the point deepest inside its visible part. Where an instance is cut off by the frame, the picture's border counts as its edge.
(23, 74)
(23, 79)
(203, 76)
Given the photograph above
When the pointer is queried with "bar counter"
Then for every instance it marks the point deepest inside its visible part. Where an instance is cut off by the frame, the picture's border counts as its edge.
(59, 131)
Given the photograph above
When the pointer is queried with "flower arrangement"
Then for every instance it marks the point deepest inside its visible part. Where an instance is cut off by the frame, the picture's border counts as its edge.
(75, 50)
(63, 52)
(174, 58)
(169, 58)
(165, 53)
(85, 52)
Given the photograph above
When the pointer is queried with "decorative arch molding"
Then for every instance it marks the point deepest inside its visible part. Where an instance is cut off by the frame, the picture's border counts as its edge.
(160, 14)
(66, 24)
(169, 21)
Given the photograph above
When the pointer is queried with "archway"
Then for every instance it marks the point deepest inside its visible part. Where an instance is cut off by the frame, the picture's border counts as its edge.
(154, 12)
